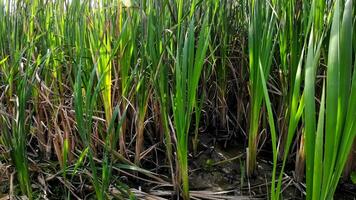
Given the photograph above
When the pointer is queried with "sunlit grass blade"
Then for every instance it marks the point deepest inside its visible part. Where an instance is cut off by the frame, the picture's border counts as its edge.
(100, 46)
(125, 57)
(310, 112)
(274, 193)
(319, 149)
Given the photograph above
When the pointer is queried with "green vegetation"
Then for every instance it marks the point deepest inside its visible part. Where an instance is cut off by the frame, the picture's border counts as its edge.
(127, 99)
(332, 138)
(261, 36)
(189, 65)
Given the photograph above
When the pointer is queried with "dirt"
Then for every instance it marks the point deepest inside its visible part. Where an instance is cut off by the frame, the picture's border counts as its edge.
(211, 170)
(217, 166)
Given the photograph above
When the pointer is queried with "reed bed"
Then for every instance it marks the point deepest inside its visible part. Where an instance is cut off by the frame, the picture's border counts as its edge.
(118, 98)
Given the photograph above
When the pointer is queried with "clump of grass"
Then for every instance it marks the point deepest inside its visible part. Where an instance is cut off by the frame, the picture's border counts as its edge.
(188, 68)
(291, 37)
(222, 67)
(15, 137)
(126, 26)
(100, 46)
(261, 37)
(84, 108)
(151, 56)
(331, 140)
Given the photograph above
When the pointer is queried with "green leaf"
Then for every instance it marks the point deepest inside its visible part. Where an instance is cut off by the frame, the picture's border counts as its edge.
(353, 177)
